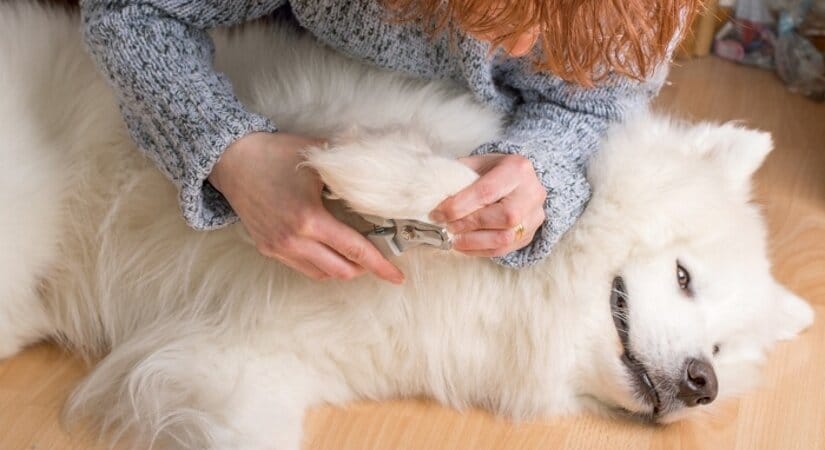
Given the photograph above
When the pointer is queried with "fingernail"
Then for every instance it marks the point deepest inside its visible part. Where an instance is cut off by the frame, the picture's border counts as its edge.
(437, 216)
(399, 279)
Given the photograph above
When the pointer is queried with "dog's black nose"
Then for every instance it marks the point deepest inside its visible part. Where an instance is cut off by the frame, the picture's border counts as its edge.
(698, 385)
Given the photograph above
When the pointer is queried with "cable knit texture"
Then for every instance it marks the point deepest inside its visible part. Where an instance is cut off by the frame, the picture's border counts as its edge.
(157, 56)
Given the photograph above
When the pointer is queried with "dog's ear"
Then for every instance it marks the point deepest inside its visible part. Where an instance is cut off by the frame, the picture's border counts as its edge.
(738, 151)
(790, 314)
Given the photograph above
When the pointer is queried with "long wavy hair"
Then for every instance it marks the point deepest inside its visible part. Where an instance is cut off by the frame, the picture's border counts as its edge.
(582, 41)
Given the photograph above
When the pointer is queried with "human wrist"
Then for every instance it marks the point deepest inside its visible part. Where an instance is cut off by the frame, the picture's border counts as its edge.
(228, 162)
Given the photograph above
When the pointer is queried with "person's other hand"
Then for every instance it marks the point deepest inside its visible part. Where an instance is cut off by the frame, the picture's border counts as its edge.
(500, 212)
(280, 205)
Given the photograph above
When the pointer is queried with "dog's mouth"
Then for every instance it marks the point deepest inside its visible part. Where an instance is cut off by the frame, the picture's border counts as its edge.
(642, 380)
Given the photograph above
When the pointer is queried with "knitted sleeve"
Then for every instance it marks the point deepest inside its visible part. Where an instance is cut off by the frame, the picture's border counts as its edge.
(157, 56)
(558, 126)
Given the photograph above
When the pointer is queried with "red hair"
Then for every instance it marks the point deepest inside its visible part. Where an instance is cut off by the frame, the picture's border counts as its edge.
(582, 41)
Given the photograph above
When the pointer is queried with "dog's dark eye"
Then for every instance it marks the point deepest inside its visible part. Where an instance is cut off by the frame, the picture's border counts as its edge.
(715, 349)
(683, 277)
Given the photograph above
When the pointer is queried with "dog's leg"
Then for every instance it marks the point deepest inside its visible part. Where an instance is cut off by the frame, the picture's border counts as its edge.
(31, 192)
(197, 392)
(23, 320)
(34, 170)
(266, 406)
(392, 174)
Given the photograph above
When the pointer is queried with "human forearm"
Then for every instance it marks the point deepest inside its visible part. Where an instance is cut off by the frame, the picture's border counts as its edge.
(182, 113)
(558, 130)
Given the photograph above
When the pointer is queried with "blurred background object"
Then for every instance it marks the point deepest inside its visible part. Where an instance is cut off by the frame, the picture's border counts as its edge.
(787, 36)
(699, 39)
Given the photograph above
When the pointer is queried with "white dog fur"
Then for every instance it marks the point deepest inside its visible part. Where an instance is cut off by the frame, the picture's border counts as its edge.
(200, 342)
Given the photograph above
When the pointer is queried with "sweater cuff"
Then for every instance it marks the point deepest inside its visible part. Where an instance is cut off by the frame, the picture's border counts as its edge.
(204, 207)
(567, 194)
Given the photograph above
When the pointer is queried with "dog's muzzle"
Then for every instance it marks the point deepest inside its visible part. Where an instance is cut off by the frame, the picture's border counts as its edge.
(619, 310)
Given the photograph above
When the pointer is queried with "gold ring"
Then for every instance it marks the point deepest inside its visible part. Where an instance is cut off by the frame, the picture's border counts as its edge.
(519, 230)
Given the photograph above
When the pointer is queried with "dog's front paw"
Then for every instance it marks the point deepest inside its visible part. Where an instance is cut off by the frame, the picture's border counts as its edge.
(391, 174)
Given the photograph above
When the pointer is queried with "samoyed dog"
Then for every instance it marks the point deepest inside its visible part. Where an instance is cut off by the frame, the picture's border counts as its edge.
(659, 302)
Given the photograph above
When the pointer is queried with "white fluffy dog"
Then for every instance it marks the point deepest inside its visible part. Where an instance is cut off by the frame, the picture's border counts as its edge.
(660, 298)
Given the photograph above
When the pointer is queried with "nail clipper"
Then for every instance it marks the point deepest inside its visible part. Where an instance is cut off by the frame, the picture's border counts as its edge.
(394, 236)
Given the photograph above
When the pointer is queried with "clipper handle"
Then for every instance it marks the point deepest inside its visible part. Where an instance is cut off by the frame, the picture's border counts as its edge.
(384, 240)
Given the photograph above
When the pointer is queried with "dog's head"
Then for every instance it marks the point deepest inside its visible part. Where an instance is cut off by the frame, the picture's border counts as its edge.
(689, 305)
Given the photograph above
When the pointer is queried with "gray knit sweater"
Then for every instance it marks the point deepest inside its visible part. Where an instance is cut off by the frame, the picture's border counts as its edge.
(157, 56)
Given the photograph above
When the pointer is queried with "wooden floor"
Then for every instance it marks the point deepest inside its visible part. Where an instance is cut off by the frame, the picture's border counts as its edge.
(788, 412)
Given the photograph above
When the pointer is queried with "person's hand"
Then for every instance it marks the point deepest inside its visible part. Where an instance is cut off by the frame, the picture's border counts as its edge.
(500, 212)
(280, 206)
